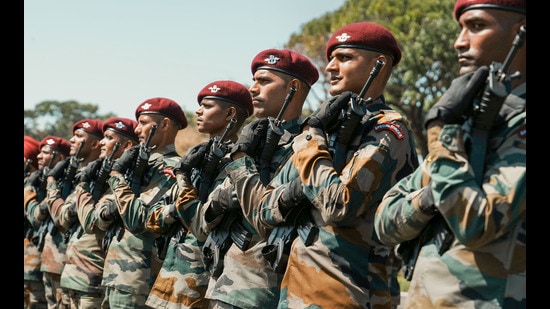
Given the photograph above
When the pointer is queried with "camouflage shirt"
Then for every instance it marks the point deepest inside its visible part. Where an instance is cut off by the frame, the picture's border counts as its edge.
(345, 266)
(484, 265)
(247, 280)
(182, 279)
(31, 264)
(128, 263)
(85, 256)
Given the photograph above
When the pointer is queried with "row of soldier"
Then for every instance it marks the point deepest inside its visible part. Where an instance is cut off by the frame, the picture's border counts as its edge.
(280, 213)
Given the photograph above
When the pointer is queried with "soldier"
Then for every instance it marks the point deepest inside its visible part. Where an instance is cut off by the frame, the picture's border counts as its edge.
(53, 149)
(139, 179)
(282, 79)
(341, 166)
(31, 149)
(466, 212)
(60, 201)
(83, 271)
(33, 286)
(224, 105)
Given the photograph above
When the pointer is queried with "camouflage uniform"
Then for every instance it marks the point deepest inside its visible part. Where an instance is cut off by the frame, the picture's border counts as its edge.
(345, 266)
(247, 279)
(128, 269)
(83, 270)
(54, 253)
(183, 278)
(485, 264)
(32, 274)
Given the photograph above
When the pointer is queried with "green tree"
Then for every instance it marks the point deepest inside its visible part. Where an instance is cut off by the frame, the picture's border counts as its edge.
(57, 118)
(425, 30)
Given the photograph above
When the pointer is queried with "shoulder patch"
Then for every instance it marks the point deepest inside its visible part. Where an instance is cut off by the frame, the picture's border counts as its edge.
(168, 170)
(522, 131)
(392, 127)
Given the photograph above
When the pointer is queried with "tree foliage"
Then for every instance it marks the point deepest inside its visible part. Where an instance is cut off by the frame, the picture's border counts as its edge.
(57, 118)
(425, 30)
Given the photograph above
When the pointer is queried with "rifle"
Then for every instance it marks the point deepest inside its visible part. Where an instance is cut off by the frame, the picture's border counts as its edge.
(280, 239)
(230, 229)
(67, 186)
(350, 120)
(142, 161)
(273, 136)
(46, 225)
(409, 251)
(116, 229)
(103, 174)
(217, 244)
(212, 160)
(41, 192)
(70, 172)
(487, 109)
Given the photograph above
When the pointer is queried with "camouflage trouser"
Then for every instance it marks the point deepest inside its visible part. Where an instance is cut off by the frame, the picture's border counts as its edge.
(35, 296)
(123, 300)
(85, 300)
(52, 289)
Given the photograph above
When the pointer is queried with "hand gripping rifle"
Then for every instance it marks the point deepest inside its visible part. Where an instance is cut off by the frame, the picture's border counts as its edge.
(70, 172)
(486, 111)
(41, 194)
(67, 186)
(142, 161)
(103, 174)
(209, 169)
(350, 120)
(206, 173)
(274, 133)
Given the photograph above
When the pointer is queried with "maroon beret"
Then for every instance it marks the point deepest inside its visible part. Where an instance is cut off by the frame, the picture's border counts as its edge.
(286, 61)
(518, 6)
(90, 126)
(365, 35)
(31, 149)
(164, 107)
(59, 144)
(122, 126)
(228, 91)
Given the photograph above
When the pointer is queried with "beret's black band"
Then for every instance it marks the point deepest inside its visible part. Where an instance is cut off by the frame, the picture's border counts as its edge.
(385, 52)
(492, 6)
(124, 134)
(284, 71)
(162, 114)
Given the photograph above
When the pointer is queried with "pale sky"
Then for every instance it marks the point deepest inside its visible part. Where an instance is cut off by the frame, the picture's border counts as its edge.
(117, 54)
